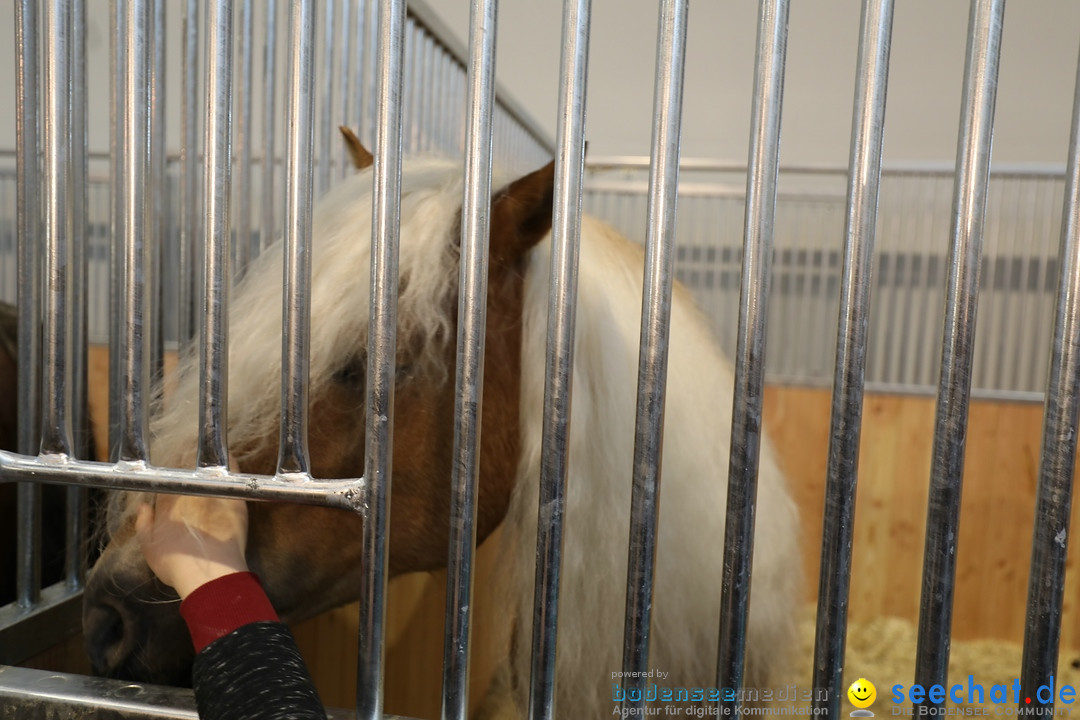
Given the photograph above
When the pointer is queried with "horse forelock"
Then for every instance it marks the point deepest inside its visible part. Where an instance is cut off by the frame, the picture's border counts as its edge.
(431, 194)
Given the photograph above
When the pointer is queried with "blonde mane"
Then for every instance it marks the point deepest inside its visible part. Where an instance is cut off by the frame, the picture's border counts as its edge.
(693, 497)
(340, 281)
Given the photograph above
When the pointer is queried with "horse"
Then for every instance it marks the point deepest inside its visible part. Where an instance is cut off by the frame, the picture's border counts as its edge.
(132, 634)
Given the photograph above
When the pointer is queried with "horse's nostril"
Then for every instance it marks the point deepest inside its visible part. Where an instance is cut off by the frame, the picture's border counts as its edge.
(105, 635)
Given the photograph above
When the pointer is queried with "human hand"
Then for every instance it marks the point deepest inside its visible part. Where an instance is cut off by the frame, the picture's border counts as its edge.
(188, 541)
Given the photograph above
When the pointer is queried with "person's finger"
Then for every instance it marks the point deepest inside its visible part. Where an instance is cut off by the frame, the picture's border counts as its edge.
(144, 520)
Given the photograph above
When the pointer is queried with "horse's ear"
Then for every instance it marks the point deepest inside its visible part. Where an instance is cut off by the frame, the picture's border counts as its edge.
(521, 214)
(361, 158)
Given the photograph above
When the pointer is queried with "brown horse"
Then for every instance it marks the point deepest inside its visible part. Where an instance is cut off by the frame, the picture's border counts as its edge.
(308, 556)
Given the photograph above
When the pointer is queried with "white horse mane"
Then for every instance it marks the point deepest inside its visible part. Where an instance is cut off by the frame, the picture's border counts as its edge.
(698, 418)
(340, 282)
(693, 497)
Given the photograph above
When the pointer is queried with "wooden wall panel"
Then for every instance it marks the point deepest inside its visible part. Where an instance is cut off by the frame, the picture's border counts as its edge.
(997, 506)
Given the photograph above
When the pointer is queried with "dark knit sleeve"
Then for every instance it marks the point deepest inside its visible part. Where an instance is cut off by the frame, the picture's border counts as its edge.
(256, 671)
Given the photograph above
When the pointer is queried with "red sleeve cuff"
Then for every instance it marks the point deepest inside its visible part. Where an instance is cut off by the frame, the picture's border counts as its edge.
(220, 606)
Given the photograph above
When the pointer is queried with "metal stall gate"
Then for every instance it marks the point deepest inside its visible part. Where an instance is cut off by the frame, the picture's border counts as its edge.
(406, 58)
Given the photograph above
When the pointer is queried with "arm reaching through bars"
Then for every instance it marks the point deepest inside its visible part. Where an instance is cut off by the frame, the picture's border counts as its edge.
(247, 664)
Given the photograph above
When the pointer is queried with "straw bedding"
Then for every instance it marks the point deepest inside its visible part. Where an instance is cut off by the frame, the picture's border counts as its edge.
(883, 651)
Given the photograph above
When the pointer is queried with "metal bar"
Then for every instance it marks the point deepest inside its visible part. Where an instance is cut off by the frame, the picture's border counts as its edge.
(864, 177)
(207, 480)
(946, 473)
(56, 299)
(1046, 583)
(381, 370)
(269, 117)
(136, 160)
(28, 178)
(159, 181)
(558, 377)
(1000, 170)
(750, 353)
(326, 116)
(360, 69)
(296, 310)
(189, 181)
(75, 561)
(371, 73)
(653, 346)
(157, 206)
(408, 90)
(214, 360)
(56, 350)
(422, 90)
(41, 695)
(117, 219)
(446, 69)
(78, 182)
(469, 384)
(244, 138)
(344, 53)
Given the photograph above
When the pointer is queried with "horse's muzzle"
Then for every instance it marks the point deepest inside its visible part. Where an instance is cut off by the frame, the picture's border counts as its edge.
(132, 627)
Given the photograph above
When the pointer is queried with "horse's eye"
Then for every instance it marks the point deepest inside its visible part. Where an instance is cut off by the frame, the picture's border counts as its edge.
(353, 372)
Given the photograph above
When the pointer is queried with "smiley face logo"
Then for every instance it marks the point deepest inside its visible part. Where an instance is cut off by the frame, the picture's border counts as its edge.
(862, 693)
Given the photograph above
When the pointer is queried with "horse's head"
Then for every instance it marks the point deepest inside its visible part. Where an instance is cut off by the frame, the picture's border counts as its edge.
(309, 557)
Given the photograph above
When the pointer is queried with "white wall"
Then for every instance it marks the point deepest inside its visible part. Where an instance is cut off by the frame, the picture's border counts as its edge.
(1038, 69)
(1034, 100)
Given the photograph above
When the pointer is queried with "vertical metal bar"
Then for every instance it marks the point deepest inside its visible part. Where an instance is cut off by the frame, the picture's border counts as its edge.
(326, 113)
(653, 347)
(77, 218)
(244, 135)
(28, 176)
(371, 60)
(558, 385)
(430, 120)
(189, 180)
(360, 69)
(415, 84)
(1046, 584)
(116, 221)
(75, 565)
(447, 69)
(382, 346)
(468, 392)
(1028, 321)
(946, 473)
(56, 191)
(214, 354)
(408, 89)
(158, 184)
(56, 346)
(269, 117)
(346, 86)
(864, 177)
(296, 312)
(135, 333)
(750, 353)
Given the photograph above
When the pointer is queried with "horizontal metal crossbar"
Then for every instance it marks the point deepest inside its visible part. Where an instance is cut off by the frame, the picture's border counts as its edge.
(139, 476)
(39, 695)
